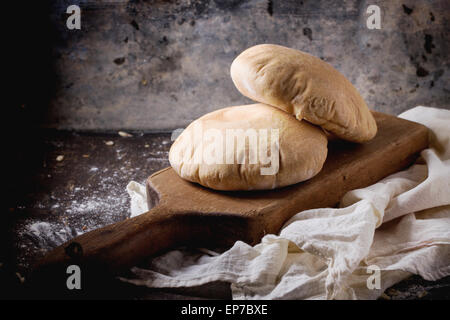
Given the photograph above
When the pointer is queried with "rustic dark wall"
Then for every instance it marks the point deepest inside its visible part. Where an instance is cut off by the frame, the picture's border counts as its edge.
(157, 65)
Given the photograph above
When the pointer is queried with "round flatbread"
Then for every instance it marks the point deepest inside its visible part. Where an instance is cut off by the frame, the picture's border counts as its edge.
(305, 86)
(251, 147)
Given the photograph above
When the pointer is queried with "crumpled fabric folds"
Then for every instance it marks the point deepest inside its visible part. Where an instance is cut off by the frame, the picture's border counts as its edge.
(388, 231)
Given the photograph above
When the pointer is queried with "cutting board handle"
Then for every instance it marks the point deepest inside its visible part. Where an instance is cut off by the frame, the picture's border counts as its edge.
(119, 245)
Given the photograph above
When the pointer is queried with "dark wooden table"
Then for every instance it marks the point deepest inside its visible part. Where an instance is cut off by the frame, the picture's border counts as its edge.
(61, 184)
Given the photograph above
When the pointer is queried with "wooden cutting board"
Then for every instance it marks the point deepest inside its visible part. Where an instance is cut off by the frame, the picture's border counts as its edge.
(184, 213)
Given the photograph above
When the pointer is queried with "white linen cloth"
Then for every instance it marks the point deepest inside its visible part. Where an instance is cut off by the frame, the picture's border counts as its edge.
(399, 226)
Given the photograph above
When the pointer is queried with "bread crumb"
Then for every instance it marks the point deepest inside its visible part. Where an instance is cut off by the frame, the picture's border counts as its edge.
(19, 276)
(110, 143)
(60, 158)
(422, 294)
(124, 134)
(393, 292)
(384, 296)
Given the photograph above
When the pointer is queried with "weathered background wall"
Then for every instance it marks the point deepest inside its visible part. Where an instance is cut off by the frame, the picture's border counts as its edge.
(157, 65)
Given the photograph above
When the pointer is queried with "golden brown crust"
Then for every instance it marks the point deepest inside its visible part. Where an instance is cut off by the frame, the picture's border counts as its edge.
(302, 150)
(305, 86)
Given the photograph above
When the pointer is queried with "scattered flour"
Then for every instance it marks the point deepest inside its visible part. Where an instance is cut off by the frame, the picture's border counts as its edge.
(46, 235)
(76, 208)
